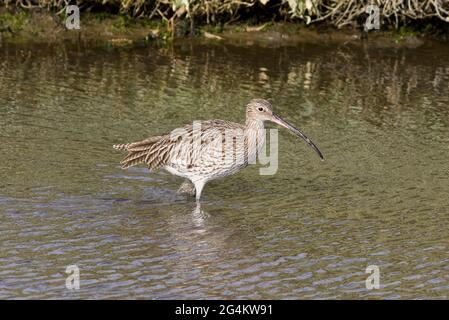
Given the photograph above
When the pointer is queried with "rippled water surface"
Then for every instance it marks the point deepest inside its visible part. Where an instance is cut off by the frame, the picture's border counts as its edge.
(380, 116)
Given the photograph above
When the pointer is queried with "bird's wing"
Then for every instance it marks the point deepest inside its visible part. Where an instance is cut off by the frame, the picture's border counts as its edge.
(203, 144)
(186, 146)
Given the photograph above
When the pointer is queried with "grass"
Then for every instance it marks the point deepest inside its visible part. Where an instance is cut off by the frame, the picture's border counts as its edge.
(12, 23)
(338, 13)
(168, 19)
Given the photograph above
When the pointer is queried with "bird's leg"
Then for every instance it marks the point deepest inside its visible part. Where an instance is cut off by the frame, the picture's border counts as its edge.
(187, 188)
(199, 187)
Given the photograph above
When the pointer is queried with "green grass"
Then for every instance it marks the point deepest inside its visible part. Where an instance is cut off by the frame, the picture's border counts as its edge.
(12, 23)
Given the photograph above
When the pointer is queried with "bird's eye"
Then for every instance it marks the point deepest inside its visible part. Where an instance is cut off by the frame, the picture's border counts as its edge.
(260, 109)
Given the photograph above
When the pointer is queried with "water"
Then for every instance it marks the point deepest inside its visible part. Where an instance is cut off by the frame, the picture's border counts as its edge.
(380, 116)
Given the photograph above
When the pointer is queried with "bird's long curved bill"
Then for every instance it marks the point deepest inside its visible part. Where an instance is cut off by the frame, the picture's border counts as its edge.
(285, 124)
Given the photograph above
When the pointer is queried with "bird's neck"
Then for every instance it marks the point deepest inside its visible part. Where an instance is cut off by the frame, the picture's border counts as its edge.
(253, 125)
(254, 138)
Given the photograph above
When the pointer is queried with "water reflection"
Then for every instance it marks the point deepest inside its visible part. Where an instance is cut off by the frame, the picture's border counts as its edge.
(309, 231)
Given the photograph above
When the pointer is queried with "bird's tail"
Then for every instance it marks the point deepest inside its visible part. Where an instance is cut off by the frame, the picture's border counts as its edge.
(137, 151)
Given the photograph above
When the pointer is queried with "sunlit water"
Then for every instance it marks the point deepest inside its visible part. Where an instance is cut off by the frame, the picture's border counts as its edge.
(380, 116)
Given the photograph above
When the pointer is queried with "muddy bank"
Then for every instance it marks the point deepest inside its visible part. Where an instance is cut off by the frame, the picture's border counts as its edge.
(121, 31)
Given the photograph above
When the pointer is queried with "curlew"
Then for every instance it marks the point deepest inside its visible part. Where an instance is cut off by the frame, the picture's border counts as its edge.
(207, 150)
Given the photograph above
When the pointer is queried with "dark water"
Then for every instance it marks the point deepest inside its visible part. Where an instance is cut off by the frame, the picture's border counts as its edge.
(380, 116)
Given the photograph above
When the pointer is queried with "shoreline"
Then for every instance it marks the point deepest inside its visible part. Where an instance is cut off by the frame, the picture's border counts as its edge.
(43, 27)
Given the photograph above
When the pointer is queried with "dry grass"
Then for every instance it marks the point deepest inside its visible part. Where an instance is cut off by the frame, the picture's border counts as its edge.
(336, 12)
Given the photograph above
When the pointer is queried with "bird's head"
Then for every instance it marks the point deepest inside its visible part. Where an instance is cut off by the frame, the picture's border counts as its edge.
(261, 110)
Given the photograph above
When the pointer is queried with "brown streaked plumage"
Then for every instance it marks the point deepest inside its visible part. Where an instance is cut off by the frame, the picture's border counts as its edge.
(206, 150)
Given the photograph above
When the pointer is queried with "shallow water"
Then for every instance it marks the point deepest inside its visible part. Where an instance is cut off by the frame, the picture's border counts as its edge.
(380, 116)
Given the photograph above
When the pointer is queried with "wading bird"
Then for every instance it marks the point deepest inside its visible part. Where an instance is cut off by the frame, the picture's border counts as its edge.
(207, 150)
